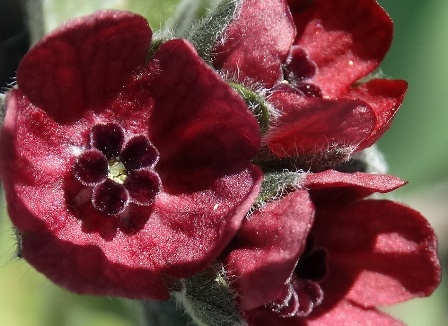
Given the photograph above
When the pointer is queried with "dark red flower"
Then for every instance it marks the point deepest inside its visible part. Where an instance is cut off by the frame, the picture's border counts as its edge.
(122, 172)
(310, 56)
(328, 257)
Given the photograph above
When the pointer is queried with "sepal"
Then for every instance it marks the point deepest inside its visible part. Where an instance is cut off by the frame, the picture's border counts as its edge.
(275, 185)
(256, 103)
(208, 299)
(206, 33)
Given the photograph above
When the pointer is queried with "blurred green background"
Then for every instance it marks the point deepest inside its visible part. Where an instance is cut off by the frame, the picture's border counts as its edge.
(416, 148)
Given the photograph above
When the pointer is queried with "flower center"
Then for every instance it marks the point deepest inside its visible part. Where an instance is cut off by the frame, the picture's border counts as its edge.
(298, 69)
(117, 171)
(120, 172)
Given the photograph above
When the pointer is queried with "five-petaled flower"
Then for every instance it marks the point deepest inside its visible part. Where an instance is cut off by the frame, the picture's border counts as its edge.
(123, 172)
(323, 255)
(309, 57)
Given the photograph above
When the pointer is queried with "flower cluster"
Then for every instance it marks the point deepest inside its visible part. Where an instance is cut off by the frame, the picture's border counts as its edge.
(129, 165)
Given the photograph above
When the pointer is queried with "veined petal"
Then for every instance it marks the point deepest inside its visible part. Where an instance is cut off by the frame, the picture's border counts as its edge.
(382, 253)
(196, 222)
(197, 120)
(331, 186)
(347, 313)
(255, 45)
(31, 141)
(385, 97)
(83, 64)
(344, 313)
(267, 248)
(316, 125)
(346, 39)
(85, 268)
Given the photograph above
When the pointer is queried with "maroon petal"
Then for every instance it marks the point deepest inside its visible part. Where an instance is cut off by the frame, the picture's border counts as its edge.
(197, 120)
(344, 313)
(267, 248)
(338, 187)
(91, 168)
(84, 63)
(55, 243)
(347, 313)
(107, 138)
(82, 268)
(385, 97)
(143, 186)
(257, 42)
(31, 143)
(310, 126)
(110, 197)
(196, 223)
(346, 39)
(371, 243)
(266, 317)
(139, 152)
